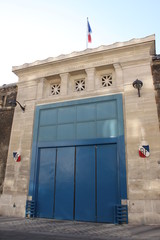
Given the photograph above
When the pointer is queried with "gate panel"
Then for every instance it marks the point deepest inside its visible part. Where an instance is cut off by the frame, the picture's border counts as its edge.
(45, 199)
(85, 184)
(107, 182)
(64, 192)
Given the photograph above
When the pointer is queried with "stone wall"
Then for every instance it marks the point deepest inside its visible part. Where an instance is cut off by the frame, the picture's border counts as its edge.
(141, 125)
(7, 93)
(156, 80)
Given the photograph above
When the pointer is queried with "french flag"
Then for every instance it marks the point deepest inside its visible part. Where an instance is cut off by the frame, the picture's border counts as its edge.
(89, 31)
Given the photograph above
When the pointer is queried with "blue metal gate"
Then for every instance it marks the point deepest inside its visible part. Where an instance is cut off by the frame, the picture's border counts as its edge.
(78, 160)
(85, 198)
(45, 196)
(107, 182)
(64, 187)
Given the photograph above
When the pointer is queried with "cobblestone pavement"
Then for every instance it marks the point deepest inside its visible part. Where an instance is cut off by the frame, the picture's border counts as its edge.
(40, 229)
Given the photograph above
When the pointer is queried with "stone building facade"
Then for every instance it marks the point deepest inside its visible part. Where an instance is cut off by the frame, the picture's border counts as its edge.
(101, 76)
(7, 93)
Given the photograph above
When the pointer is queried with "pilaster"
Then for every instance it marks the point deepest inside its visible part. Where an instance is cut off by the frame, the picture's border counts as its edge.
(90, 79)
(119, 74)
(40, 87)
(64, 83)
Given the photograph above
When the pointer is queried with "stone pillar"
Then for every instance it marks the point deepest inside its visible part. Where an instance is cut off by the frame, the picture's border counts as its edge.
(90, 79)
(119, 74)
(141, 124)
(64, 83)
(40, 88)
(13, 199)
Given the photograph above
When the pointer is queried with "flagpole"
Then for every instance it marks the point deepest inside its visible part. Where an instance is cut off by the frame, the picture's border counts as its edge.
(87, 35)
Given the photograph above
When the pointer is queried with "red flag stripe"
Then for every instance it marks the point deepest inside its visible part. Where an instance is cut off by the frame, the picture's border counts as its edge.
(89, 38)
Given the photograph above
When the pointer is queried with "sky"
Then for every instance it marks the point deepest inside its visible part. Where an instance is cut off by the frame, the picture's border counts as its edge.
(33, 30)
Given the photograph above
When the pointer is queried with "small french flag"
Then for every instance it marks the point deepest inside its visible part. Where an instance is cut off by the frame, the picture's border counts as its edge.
(89, 31)
(16, 156)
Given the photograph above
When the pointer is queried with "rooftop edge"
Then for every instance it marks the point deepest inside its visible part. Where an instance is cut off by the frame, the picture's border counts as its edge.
(86, 51)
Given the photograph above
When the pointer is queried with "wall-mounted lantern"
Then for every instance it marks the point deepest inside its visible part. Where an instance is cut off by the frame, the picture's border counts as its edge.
(138, 85)
(14, 104)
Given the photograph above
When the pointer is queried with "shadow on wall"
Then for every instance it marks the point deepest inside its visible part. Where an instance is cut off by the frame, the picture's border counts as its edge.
(7, 93)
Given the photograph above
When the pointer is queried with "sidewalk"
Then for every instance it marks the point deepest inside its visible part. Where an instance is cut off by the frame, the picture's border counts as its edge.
(40, 229)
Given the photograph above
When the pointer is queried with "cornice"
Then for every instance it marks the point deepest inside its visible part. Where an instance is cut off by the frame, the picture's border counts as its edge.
(80, 56)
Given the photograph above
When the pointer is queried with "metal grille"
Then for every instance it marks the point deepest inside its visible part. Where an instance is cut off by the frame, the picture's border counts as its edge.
(121, 214)
(55, 89)
(80, 85)
(107, 80)
(30, 209)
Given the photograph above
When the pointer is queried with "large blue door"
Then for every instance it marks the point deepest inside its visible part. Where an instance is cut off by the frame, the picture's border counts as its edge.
(107, 182)
(85, 184)
(45, 194)
(64, 191)
(79, 172)
(78, 183)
